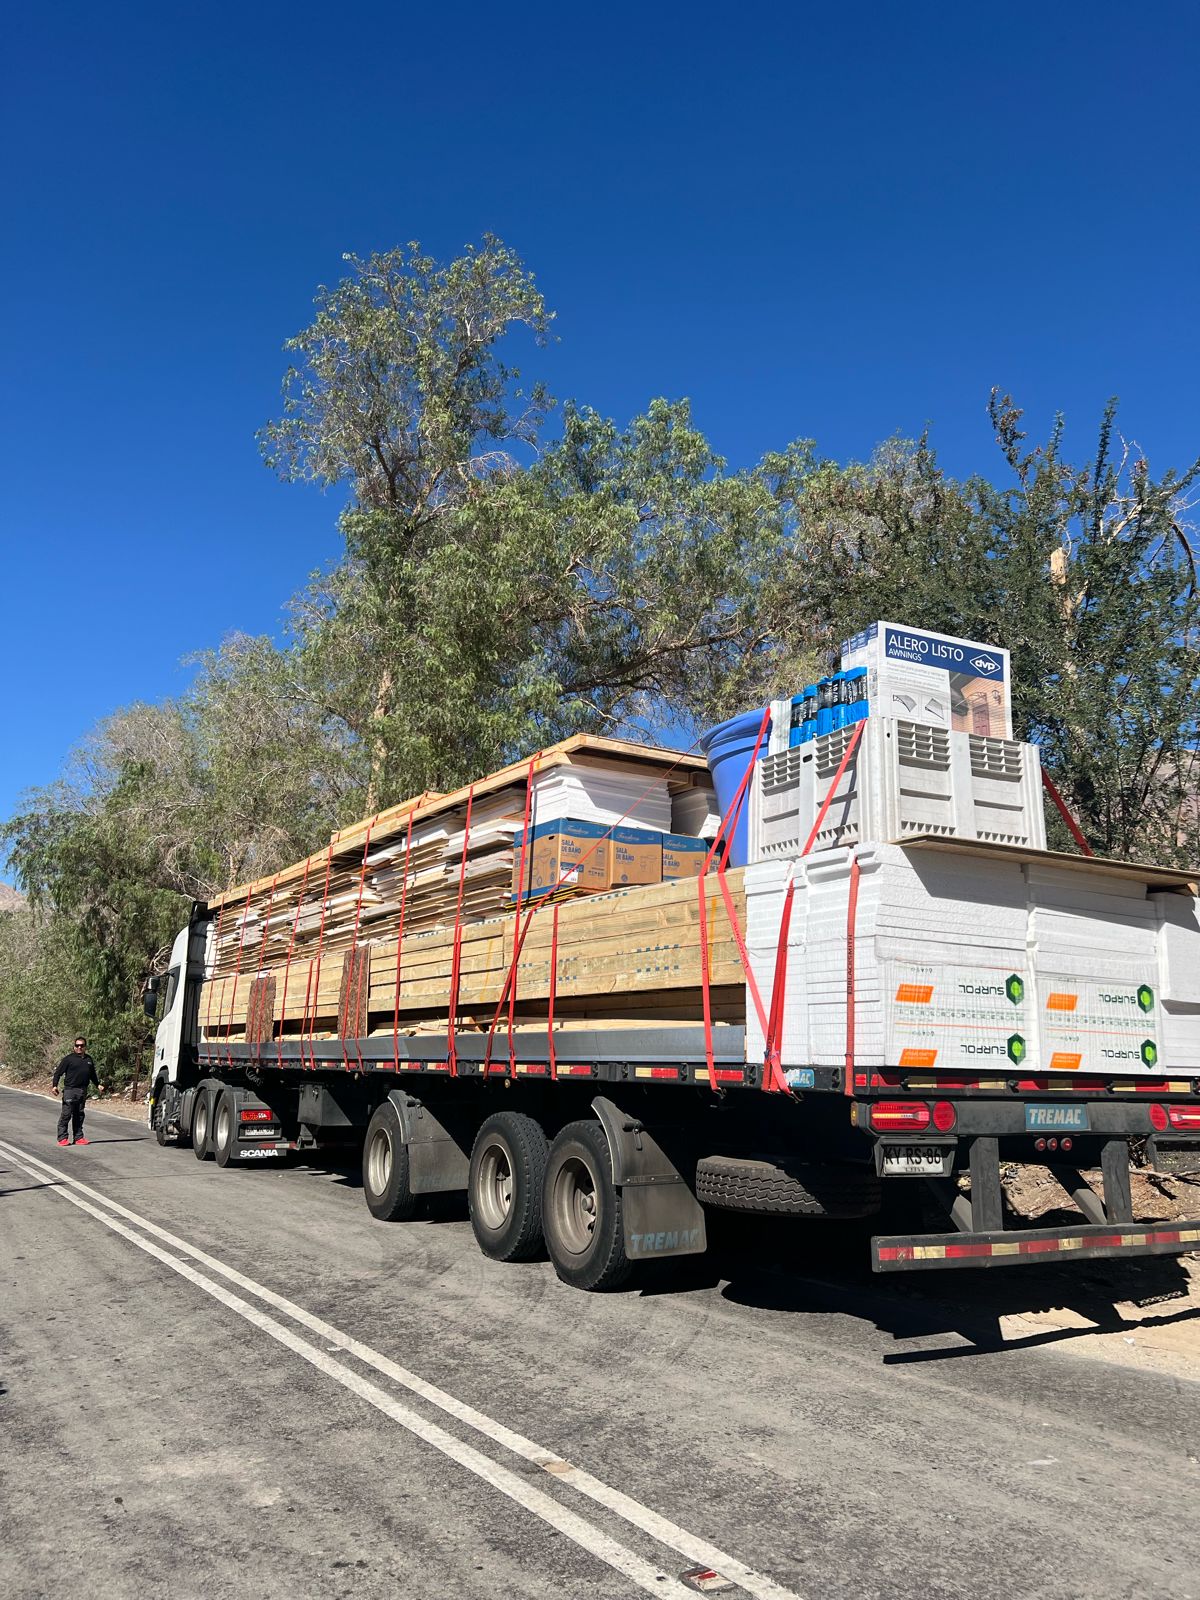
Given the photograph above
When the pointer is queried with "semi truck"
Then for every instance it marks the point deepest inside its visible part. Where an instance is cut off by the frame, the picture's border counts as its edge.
(600, 1071)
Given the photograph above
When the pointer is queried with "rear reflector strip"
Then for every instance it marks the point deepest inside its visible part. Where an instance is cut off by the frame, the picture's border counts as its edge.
(994, 1249)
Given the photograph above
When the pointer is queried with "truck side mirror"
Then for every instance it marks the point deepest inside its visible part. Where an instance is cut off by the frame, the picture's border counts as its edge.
(150, 996)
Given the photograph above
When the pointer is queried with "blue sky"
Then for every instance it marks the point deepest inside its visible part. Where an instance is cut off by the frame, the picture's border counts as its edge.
(832, 222)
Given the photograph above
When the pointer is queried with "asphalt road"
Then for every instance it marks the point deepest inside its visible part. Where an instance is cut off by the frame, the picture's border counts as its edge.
(275, 1395)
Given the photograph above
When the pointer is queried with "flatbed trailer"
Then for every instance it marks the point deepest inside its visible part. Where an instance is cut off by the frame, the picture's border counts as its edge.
(607, 1146)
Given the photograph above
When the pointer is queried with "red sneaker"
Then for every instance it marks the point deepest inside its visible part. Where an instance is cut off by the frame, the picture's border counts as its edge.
(64, 1141)
(83, 1141)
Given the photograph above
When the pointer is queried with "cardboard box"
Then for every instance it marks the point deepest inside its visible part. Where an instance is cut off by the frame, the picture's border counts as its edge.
(564, 853)
(934, 678)
(683, 856)
(636, 856)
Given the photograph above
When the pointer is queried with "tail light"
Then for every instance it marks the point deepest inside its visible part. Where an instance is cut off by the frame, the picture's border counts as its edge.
(903, 1116)
(944, 1116)
(257, 1114)
(1158, 1119)
(1186, 1119)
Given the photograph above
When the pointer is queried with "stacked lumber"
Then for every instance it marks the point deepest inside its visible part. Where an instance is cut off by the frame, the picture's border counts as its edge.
(314, 950)
(632, 955)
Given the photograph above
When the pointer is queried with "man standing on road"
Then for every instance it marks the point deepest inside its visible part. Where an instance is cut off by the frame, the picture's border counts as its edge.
(76, 1071)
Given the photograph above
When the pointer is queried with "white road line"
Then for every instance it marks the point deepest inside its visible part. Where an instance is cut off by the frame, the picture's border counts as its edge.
(697, 1549)
(590, 1538)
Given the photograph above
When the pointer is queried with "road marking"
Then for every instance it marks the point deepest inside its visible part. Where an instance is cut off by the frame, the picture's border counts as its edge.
(694, 1547)
(590, 1538)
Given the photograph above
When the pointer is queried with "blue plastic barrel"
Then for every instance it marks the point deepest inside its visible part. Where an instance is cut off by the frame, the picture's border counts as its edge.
(727, 749)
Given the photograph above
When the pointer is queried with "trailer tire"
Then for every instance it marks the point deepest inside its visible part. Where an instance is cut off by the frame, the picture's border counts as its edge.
(202, 1125)
(581, 1210)
(504, 1186)
(385, 1167)
(224, 1132)
(786, 1188)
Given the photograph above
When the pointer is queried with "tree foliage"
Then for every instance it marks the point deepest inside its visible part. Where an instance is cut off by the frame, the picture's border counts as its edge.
(1085, 571)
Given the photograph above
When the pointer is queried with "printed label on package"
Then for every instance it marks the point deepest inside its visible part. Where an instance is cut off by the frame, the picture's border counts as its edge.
(1096, 1025)
(928, 650)
(955, 1016)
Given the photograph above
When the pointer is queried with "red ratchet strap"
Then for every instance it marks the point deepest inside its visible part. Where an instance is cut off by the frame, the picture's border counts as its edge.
(851, 1007)
(237, 972)
(512, 993)
(553, 991)
(1065, 814)
(354, 987)
(730, 820)
(548, 897)
(705, 984)
(288, 963)
(725, 834)
(212, 981)
(456, 960)
(833, 787)
(400, 939)
(773, 1078)
(266, 933)
(307, 1001)
(316, 980)
(262, 943)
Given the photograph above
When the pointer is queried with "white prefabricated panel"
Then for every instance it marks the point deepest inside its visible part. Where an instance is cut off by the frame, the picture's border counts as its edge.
(965, 961)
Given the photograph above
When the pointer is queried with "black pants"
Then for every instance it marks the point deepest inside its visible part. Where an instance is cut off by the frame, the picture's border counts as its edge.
(71, 1114)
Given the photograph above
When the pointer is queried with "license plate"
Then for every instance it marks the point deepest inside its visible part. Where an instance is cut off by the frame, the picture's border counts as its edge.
(1056, 1119)
(919, 1160)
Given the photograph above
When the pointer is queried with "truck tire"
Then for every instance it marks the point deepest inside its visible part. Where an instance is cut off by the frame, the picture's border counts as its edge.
(786, 1188)
(202, 1125)
(224, 1132)
(158, 1119)
(385, 1167)
(581, 1210)
(504, 1186)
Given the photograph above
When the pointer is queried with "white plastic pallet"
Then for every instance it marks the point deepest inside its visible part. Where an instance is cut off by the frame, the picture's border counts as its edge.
(903, 780)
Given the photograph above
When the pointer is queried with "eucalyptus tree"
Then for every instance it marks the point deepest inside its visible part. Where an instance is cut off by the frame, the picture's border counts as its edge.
(399, 392)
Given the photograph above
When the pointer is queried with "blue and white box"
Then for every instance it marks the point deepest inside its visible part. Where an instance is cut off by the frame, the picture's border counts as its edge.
(933, 679)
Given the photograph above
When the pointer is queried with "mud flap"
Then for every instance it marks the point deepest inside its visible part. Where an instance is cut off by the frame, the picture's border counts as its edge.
(439, 1157)
(661, 1215)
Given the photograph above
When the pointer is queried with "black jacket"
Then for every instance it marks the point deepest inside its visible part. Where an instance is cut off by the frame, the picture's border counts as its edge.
(76, 1072)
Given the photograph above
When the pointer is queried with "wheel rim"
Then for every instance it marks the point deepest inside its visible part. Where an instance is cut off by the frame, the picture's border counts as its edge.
(379, 1161)
(494, 1190)
(575, 1205)
(201, 1133)
(223, 1124)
